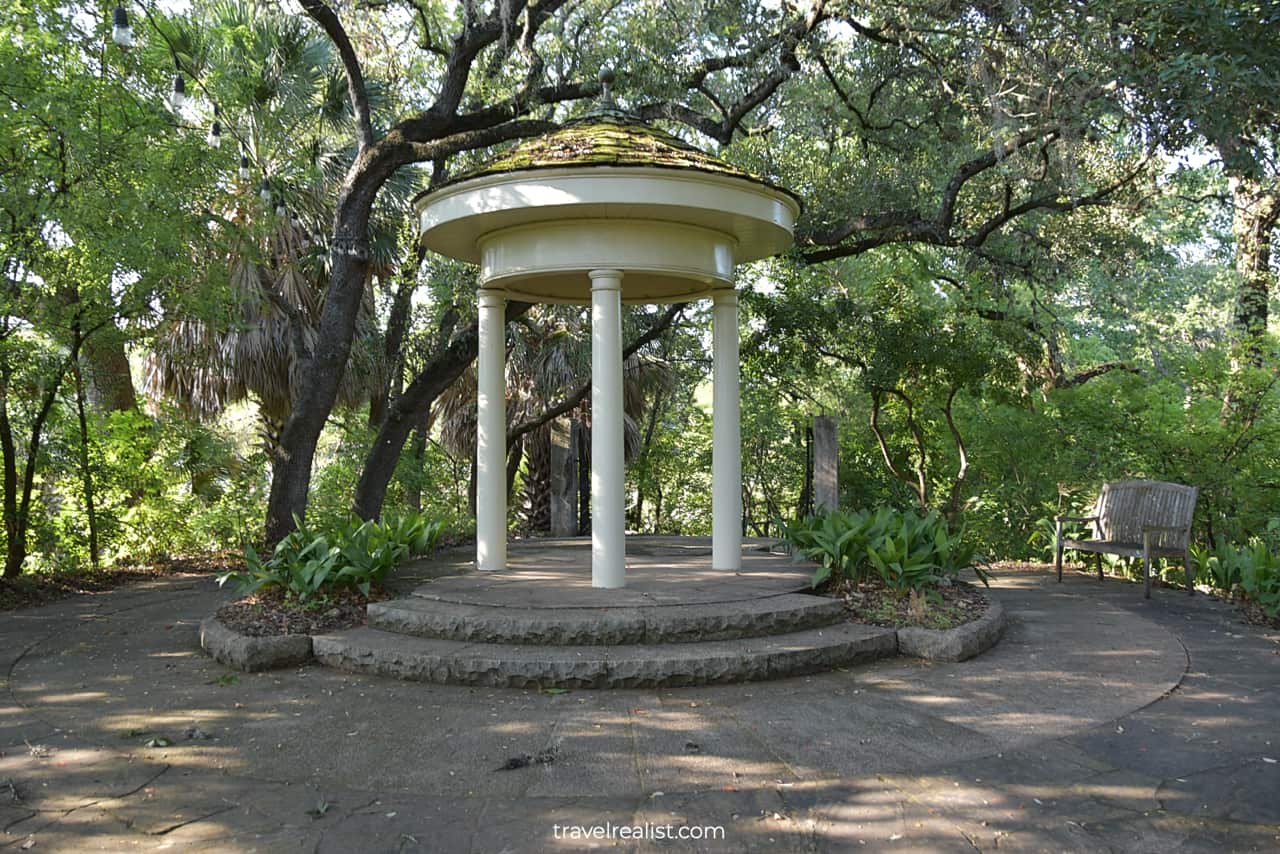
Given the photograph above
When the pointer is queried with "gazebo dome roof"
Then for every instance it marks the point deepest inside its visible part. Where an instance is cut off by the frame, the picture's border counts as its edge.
(608, 137)
(607, 191)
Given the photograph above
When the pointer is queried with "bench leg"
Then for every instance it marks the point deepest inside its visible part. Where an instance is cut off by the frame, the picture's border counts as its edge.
(1186, 563)
(1057, 549)
(1146, 568)
(1097, 562)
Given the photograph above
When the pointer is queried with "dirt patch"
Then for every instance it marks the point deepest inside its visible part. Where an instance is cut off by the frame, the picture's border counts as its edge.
(269, 613)
(1254, 614)
(34, 589)
(940, 608)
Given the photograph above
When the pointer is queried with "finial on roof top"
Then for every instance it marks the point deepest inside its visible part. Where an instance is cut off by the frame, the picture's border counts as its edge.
(606, 86)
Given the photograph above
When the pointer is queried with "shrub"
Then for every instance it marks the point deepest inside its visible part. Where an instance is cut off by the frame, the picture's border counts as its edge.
(907, 551)
(1252, 569)
(308, 563)
(1260, 581)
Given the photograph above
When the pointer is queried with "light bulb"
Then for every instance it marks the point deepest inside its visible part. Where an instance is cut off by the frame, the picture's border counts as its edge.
(178, 96)
(121, 32)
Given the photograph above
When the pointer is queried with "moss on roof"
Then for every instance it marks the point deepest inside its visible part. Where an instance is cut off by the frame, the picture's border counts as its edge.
(608, 138)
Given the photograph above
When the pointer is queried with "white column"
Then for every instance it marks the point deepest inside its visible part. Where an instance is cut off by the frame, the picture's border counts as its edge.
(608, 543)
(726, 441)
(491, 432)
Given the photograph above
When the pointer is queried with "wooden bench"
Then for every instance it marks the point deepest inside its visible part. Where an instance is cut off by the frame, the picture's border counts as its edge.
(1137, 518)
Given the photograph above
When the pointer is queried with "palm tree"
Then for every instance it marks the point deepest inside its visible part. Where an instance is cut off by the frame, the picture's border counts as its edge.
(548, 355)
(283, 98)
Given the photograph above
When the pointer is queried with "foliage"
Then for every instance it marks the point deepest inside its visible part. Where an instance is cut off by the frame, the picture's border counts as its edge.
(1016, 255)
(907, 551)
(307, 563)
(1252, 570)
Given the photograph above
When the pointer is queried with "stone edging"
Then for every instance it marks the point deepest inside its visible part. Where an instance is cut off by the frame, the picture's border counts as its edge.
(958, 644)
(252, 654)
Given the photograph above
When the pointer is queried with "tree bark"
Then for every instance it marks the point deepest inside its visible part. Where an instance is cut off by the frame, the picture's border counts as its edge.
(393, 341)
(110, 377)
(406, 410)
(17, 490)
(324, 365)
(537, 486)
(1257, 207)
(85, 470)
(419, 451)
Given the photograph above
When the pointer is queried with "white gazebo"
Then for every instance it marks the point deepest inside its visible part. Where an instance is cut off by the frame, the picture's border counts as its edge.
(604, 211)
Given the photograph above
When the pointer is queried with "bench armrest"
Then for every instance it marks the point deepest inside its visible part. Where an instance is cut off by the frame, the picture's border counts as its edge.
(1075, 518)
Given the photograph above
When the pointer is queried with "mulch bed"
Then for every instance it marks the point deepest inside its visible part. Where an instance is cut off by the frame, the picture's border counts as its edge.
(269, 613)
(1253, 613)
(873, 603)
(34, 589)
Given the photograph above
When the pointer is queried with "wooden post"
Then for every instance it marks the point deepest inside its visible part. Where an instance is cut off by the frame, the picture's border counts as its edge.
(564, 479)
(826, 464)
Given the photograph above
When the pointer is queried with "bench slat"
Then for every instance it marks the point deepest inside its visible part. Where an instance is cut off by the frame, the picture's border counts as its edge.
(1125, 509)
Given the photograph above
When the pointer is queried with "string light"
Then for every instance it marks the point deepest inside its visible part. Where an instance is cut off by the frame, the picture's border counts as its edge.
(215, 131)
(121, 32)
(265, 191)
(244, 166)
(178, 97)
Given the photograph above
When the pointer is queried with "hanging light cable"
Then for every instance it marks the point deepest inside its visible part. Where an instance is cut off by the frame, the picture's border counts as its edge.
(121, 32)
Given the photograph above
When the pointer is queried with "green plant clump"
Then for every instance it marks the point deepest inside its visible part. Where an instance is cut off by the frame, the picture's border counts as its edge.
(906, 551)
(1252, 570)
(307, 563)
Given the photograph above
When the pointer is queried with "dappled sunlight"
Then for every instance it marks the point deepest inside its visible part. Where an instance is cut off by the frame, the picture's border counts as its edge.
(56, 698)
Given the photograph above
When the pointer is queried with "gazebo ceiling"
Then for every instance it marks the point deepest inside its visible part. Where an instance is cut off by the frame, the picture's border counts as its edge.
(607, 191)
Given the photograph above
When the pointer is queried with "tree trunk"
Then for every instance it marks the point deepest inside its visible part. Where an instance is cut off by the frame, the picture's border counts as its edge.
(110, 377)
(537, 485)
(15, 529)
(17, 493)
(419, 450)
(584, 478)
(85, 469)
(393, 342)
(408, 409)
(1257, 207)
(323, 367)
(515, 456)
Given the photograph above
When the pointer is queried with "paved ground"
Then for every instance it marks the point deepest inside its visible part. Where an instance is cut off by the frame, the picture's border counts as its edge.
(555, 573)
(1101, 722)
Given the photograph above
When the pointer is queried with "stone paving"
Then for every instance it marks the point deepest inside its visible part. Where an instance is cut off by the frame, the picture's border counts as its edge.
(1101, 722)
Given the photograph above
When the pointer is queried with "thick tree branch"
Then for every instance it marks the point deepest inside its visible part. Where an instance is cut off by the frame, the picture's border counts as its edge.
(909, 226)
(953, 503)
(1082, 377)
(328, 20)
(579, 394)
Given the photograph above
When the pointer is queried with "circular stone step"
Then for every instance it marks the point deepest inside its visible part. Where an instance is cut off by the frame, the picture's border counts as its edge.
(656, 624)
(381, 653)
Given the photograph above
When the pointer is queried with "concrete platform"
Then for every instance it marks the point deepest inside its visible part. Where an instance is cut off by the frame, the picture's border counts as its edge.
(556, 573)
(1101, 722)
(540, 623)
